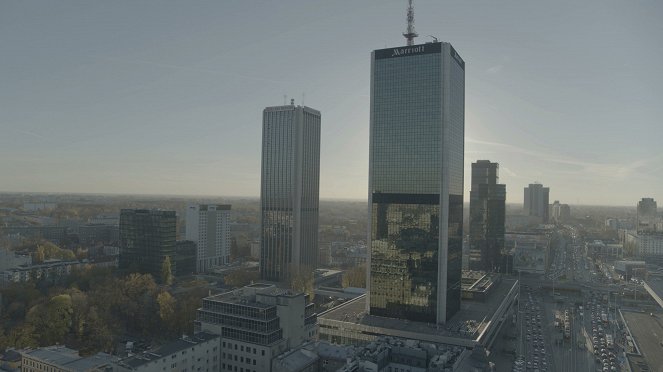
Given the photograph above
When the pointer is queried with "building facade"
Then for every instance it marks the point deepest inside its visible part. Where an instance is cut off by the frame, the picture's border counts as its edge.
(147, 237)
(209, 227)
(62, 359)
(645, 244)
(256, 323)
(647, 214)
(487, 217)
(537, 200)
(416, 182)
(197, 353)
(289, 193)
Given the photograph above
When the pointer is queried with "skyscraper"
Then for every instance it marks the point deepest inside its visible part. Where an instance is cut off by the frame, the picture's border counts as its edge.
(209, 227)
(289, 194)
(417, 125)
(487, 213)
(647, 214)
(537, 199)
(560, 212)
(147, 237)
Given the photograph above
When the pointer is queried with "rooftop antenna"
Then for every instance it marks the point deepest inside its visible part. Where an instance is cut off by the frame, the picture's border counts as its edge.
(303, 98)
(410, 34)
(285, 99)
(434, 38)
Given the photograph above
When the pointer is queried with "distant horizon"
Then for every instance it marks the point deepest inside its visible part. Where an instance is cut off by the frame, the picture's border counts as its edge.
(185, 196)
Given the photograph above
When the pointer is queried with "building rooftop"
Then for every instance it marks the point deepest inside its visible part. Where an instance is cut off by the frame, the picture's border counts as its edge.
(477, 281)
(170, 348)
(655, 288)
(295, 360)
(647, 331)
(69, 358)
(247, 295)
(465, 327)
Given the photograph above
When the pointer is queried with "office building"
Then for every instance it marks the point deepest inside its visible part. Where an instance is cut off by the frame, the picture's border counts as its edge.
(289, 193)
(487, 217)
(209, 227)
(537, 199)
(147, 237)
(560, 212)
(197, 353)
(647, 214)
(417, 124)
(62, 359)
(531, 251)
(185, 257)
(256, 323)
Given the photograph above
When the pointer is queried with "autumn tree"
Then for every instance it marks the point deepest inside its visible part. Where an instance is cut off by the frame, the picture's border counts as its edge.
(355, 277)
(167, 271)
(241, 277)
(167, 306)
(301, 279)
(52, 320)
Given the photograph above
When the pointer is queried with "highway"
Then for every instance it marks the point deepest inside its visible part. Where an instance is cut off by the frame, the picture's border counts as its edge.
(574, 352)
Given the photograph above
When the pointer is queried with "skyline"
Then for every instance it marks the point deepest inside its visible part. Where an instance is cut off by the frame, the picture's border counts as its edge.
(129, 98)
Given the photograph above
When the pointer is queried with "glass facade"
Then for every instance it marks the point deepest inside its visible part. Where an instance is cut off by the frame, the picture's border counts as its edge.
(146, 238)
(289, 190)
(487, 214)
(416, 182)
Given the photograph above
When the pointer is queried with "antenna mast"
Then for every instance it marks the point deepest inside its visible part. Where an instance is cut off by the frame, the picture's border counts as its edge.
(410, 34)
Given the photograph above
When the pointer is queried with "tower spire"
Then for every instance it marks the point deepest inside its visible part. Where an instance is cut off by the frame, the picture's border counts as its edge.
(410, 34)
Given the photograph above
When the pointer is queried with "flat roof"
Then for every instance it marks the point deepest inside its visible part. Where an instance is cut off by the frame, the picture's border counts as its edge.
(473, 314)
(65, 357)
(168, 349)
(647, 331)
(655, 288)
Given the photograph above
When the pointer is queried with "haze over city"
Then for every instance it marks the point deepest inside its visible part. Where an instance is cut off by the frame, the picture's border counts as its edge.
(167, 98)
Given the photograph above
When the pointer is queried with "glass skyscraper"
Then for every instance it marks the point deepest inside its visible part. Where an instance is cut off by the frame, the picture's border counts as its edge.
(147, 237)
(289, 194)
(416, 182)
(487, 214)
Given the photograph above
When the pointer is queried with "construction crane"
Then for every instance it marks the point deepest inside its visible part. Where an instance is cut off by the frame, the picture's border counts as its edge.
(410, 34)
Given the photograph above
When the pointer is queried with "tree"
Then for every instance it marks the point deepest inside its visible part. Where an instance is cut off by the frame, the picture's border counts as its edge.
(240, 278)
(167, 271)
(301, 279)
(355, 277)
(52, 320)
(39, 255)
(167, 306)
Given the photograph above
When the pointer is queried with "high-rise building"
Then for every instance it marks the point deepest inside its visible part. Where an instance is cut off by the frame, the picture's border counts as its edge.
(560, 212)
(537, 199)
(487, 215)
(647, 214)
(289, 194)
(147, 237)
(209, 227)
(417, 125)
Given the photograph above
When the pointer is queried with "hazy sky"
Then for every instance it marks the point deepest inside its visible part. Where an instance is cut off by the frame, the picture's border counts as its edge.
(166, 97)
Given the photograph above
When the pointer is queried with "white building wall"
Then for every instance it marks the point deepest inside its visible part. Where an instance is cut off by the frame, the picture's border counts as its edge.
(209, 227)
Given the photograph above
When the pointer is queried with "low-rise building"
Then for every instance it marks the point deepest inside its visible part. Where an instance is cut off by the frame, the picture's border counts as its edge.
(257, 323)
(645, 244)
(51, 269)
(62, 359)
(531, 251)
(197, 353)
